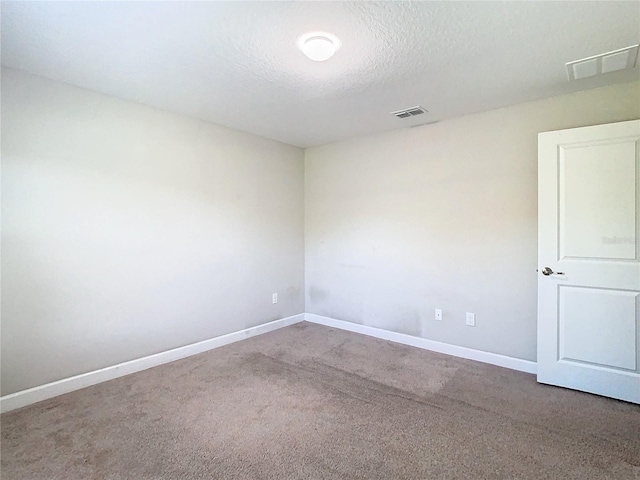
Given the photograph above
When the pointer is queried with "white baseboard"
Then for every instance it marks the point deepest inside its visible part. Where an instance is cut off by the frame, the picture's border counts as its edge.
(454, 350)
(60, 387)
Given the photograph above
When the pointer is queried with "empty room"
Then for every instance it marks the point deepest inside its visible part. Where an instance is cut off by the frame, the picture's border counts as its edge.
(320, 240)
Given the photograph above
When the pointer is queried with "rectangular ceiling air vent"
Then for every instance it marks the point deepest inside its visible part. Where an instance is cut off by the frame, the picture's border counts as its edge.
(409, 112)
(622, 59)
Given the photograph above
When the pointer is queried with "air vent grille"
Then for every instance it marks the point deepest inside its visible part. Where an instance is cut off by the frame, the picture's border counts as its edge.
(409, 112)
(622, 59)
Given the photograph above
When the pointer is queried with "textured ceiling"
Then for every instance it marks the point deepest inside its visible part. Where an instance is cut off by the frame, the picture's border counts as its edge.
(236, 63)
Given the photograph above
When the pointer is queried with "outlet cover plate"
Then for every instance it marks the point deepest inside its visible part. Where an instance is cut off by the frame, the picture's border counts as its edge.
(471, 319)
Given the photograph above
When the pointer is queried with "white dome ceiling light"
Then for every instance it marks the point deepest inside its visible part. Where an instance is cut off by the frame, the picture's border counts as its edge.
(318, 46)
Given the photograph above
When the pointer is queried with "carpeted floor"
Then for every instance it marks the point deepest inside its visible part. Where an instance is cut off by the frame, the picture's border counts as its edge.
(312, 402)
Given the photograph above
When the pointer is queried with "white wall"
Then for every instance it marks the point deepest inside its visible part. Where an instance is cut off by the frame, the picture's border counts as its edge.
(440, 216)
(128, 231)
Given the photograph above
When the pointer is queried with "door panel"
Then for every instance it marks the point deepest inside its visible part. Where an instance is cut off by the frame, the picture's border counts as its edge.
(586, 331)
(598, 221)
(588, 227)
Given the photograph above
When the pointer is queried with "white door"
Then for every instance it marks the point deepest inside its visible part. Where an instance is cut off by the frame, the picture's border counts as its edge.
(589, 236)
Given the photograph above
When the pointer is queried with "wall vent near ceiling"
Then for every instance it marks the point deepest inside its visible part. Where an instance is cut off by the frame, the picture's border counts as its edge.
(409, 112)
(622, 59)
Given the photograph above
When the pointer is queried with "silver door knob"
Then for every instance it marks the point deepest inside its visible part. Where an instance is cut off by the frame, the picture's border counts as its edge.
(547, 271)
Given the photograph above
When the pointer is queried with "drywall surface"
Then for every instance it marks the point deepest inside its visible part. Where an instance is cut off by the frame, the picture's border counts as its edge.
(440, 216)
(128, 231)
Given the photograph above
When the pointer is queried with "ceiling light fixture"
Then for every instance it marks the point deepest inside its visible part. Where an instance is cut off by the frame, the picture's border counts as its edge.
(318, 46)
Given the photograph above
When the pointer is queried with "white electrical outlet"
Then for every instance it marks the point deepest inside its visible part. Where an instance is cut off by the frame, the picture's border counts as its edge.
(438, 314)
(274, 298)
(471, 319)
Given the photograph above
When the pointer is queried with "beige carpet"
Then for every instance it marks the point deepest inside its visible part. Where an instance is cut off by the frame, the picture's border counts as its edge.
(313, 402)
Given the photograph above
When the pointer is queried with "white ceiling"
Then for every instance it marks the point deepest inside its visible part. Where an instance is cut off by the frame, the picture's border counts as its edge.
(236, 63)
